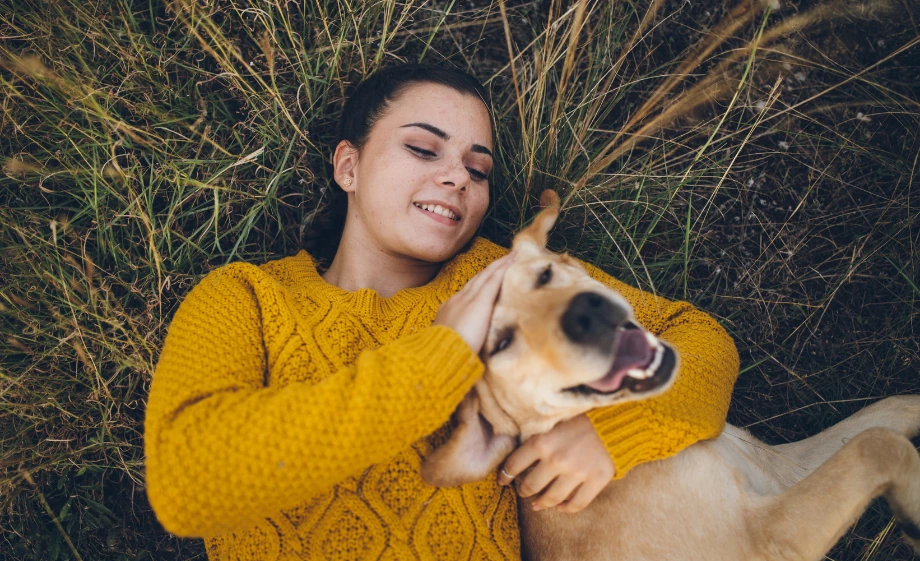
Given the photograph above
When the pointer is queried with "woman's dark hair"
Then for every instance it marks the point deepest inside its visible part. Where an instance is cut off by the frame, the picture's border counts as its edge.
(370, 99)
(364, 108)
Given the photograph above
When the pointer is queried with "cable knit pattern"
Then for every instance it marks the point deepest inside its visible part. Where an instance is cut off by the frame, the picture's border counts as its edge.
(287, 417)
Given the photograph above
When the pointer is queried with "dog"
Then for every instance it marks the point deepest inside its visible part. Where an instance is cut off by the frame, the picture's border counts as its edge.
(732, 498)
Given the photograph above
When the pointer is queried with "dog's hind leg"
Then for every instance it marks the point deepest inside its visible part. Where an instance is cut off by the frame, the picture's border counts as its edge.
(900, 414)
(806, 520)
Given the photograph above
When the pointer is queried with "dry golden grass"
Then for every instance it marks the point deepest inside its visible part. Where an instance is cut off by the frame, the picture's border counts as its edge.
(759, 161)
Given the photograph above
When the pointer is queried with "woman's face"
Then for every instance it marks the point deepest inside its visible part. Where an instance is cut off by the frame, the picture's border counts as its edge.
(431, 148)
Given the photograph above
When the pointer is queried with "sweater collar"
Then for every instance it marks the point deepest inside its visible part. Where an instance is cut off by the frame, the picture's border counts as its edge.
(367, 300)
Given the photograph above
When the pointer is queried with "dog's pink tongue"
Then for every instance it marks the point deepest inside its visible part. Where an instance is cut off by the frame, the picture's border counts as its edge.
(632, 351)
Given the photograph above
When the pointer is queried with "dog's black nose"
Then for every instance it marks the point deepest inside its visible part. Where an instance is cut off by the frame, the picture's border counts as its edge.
(592, 319)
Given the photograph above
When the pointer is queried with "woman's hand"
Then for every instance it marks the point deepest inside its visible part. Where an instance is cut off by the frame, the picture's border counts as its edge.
(469, 311)
(572, 466)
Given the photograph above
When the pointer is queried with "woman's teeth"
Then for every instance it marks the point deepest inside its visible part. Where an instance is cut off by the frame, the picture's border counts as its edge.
(438, 209)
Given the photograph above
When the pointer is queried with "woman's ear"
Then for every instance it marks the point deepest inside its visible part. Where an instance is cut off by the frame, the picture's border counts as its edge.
(473, 451)
(345, 164)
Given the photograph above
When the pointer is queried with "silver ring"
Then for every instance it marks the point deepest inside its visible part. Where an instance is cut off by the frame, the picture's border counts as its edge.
(506, 474)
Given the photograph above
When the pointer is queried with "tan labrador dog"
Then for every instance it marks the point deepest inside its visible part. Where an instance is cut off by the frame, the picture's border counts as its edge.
(734, 498)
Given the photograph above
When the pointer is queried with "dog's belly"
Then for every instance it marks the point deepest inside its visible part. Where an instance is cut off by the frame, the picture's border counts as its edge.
(686, 508)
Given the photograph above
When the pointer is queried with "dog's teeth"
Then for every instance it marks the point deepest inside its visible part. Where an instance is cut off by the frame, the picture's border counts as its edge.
(638, 373)
(656, 361)
(652, 340)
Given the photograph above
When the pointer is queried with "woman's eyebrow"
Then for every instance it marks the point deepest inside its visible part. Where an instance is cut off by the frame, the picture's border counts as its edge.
(482, 150)
(430, 128)
(444, 136)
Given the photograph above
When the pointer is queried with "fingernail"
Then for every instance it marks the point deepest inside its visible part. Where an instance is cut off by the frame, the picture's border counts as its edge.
(537, 508)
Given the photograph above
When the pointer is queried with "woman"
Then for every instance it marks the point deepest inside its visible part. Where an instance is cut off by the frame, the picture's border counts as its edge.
(291, 405)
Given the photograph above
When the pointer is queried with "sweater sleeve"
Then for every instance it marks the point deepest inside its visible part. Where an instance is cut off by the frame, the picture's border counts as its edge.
(695, 407)
(223, 449)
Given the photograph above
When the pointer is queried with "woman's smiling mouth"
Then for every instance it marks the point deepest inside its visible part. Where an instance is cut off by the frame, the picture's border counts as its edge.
(438, 213)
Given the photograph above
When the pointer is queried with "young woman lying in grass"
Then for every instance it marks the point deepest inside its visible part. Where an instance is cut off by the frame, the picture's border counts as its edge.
(292, 403)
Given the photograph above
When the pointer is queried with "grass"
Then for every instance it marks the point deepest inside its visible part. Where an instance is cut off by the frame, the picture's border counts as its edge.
(760, 162)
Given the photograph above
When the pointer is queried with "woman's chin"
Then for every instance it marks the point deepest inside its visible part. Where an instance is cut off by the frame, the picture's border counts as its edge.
(433, 255)
(436, 251)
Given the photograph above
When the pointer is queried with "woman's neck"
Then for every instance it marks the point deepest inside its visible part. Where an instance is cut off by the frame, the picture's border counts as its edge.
(357, 266)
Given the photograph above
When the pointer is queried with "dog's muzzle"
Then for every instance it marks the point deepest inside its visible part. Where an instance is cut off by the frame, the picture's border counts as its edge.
(592, 320)
(641, 362)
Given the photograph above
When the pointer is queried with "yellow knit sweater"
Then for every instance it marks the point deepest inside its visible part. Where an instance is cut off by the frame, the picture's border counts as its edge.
(287, 417)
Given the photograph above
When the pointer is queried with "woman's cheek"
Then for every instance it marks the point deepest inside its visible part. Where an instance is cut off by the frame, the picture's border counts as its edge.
(482, 202)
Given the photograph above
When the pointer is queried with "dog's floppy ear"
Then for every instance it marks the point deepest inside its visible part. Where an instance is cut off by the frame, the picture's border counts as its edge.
(533, 237)
(473, 451)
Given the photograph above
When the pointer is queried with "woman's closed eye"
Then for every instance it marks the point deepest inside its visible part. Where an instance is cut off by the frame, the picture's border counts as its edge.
(475, 174)
(421, 151)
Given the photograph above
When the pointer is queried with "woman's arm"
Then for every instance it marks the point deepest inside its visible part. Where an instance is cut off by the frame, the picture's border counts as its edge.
(224, 450)
(695, 407)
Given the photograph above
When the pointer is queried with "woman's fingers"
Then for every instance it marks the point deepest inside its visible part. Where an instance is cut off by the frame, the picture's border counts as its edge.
(522, 458)
(558, 491)
(569, 466)
(537, 480)
(489, 274)
(469, 311)
(488, 289)
(583, 496)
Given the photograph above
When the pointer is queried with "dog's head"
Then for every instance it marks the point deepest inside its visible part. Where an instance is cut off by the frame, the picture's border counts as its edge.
(560, 344)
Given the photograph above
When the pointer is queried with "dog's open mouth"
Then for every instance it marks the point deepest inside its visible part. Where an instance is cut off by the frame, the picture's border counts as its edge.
(641, 363)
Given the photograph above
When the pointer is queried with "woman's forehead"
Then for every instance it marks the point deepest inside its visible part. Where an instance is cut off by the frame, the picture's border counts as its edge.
(455, 114)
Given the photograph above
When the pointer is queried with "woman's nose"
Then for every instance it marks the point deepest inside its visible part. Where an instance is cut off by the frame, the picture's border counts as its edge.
(454, 174)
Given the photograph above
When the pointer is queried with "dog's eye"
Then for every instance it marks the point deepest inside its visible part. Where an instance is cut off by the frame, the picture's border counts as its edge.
(545, 276)
(503, 343)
